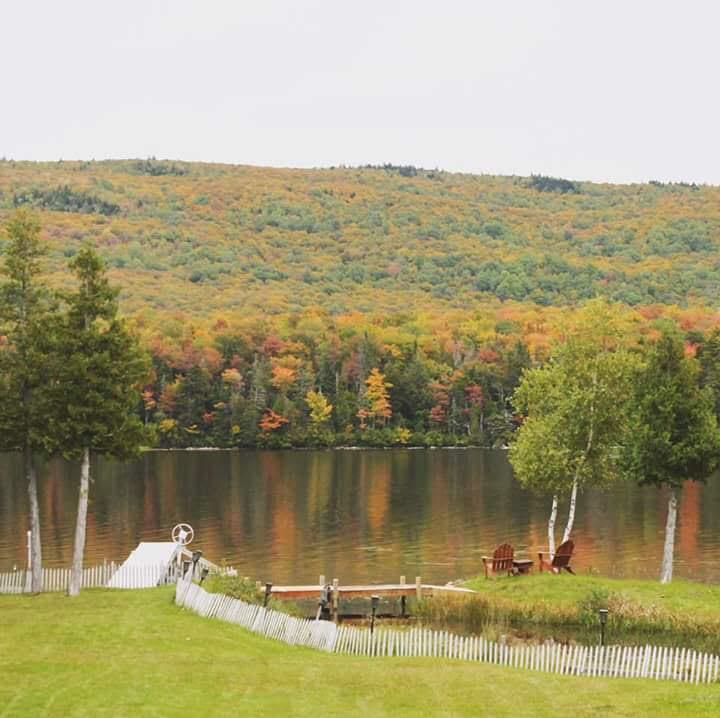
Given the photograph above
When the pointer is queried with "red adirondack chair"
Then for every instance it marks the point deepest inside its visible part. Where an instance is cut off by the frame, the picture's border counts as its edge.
(561, 559)
(500, 562)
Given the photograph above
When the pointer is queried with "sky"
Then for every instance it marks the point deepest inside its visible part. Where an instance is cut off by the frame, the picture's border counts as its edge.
(606, 91)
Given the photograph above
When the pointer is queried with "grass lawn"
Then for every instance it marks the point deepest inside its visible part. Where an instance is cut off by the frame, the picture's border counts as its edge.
(566, 592)
(684, 612)
(134, 653)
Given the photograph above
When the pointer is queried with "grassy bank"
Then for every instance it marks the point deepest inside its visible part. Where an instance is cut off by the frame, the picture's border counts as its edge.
(681, 612)
(135, 653)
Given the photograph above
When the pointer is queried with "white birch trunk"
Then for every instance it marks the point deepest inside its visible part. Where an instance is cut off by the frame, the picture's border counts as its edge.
(583, 459)
(35, 545)
(571, 512)
(551, 527)
(80, 526)
(669, 550)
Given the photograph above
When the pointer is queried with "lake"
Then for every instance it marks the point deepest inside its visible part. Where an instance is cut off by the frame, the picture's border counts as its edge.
(360, 516)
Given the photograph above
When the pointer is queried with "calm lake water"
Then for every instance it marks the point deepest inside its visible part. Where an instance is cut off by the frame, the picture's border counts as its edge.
(361, 516)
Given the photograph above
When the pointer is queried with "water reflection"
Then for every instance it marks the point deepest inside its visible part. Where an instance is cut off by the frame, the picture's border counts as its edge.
(358, 515)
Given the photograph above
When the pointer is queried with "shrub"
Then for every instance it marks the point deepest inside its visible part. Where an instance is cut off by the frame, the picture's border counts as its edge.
(246, 590)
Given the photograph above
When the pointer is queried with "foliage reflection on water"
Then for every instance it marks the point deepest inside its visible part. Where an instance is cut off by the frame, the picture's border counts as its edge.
(360, 516)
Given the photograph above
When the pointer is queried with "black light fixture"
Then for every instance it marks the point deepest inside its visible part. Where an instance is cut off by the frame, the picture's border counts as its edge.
(268, 591)
(603, 613)
(204, 573)
(374, 601)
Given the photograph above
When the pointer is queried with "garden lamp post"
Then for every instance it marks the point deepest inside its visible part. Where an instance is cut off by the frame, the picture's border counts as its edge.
(603, 613)
(374, 601)
(268, 591)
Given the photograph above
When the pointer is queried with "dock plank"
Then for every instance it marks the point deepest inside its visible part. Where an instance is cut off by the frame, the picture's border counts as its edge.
(384, 590)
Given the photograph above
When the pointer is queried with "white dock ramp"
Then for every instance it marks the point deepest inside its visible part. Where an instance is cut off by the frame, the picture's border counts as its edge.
(146, 566)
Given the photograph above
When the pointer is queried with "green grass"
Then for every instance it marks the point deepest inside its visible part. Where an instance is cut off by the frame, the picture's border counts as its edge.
(135, 653)
(566, 592)
(681, 610)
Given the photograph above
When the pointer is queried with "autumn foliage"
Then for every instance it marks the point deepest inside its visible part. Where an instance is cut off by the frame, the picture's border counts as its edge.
(378, 305)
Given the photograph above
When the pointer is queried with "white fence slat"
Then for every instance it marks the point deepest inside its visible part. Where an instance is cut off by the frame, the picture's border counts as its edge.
(563, 659)
(681, 665)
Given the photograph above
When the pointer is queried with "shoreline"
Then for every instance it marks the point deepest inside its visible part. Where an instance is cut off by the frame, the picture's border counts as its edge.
(326, 448)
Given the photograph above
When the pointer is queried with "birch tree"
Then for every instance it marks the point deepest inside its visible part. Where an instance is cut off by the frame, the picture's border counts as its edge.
(98, 373)
(575, 411)
(24, 309)
(675, 435)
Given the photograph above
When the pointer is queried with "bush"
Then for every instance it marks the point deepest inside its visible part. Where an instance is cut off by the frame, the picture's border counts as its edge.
(246, 590)
(235, 586)
(588, 607)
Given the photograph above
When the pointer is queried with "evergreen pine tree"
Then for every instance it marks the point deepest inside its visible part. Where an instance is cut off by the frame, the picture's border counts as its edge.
(24, 310)
(98, 371)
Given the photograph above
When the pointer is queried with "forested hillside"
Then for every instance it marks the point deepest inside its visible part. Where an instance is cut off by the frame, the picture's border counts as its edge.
(374, 305)
(203, 238)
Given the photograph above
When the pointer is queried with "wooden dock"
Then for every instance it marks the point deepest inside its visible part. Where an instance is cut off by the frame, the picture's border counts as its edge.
(384, 590)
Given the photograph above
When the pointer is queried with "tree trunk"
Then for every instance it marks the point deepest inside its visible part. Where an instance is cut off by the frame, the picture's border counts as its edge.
(581, 463)
(669, 550)
(80, 526)
(35, 546)
(571, 512)
(551, 527)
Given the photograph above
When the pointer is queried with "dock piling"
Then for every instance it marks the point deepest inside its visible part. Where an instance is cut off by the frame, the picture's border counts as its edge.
(335, 599)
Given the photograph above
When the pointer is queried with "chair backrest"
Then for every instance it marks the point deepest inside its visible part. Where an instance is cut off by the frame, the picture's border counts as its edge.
(563, 554)
(503, 557)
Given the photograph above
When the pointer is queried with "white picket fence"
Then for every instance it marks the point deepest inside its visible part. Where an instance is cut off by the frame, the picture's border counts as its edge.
(57, 579)
(656, 662)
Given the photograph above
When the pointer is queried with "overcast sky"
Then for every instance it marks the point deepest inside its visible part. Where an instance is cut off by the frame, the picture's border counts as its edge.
(616, 91)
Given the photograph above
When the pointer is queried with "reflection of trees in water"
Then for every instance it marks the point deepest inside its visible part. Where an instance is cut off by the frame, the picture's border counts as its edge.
(365, 515)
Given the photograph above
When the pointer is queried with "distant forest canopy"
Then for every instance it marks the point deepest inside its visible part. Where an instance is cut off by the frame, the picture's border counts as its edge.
(204, 238)
(376, 305)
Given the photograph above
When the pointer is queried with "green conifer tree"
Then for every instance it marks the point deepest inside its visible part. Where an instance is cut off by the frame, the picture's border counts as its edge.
(98, 371)
(24, 309)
